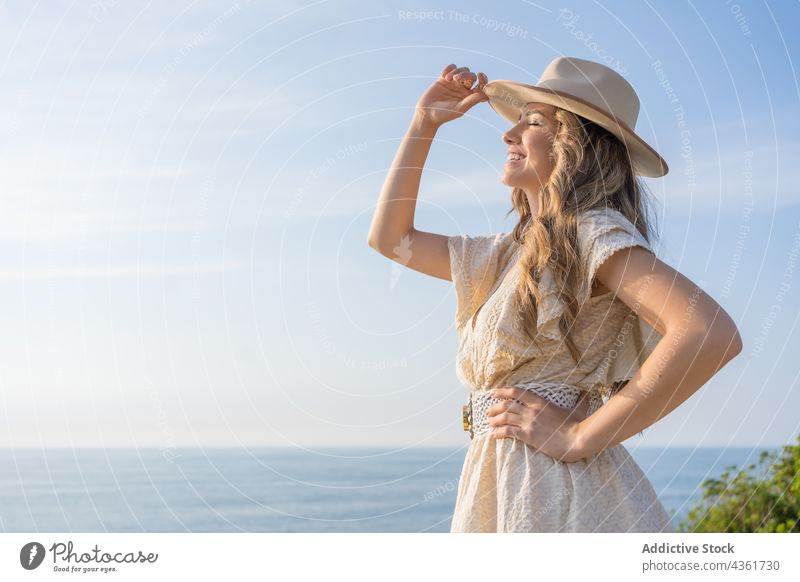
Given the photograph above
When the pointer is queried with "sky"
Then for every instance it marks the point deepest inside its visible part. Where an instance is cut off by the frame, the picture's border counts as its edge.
(187, 190)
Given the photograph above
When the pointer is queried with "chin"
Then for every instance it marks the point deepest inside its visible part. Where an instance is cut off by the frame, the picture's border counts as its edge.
(513, 183)
(509, 181)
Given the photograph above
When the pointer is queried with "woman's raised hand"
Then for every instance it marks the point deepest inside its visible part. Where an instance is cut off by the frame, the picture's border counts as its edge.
(452, 95)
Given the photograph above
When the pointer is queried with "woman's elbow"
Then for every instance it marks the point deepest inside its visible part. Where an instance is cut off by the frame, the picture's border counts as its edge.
(734, 345)
(725, 339)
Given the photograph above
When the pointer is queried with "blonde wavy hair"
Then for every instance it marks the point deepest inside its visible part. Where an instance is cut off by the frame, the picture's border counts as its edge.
(591, 170)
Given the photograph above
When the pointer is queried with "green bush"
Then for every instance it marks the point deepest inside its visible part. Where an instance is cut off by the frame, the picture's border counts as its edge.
(740, 501)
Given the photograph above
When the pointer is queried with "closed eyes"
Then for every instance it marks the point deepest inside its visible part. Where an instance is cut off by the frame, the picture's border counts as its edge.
(533, 112)
(530, 114)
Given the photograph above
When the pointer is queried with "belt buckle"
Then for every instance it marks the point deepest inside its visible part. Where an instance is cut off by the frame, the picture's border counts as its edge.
(466, 416)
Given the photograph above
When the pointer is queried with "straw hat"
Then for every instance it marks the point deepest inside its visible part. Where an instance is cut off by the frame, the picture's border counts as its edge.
(590, 90)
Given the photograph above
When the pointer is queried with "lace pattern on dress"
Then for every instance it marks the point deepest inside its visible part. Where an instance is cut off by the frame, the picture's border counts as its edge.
(474, 265)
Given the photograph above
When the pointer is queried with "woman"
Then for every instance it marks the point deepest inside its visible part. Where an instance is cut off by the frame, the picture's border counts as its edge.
(573, 336)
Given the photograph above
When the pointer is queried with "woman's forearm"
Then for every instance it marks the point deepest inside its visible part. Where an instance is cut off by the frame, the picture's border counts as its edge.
(394, 213)
(678, 366)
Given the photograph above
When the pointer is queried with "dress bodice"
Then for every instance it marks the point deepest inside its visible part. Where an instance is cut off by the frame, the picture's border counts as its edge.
(613, 339)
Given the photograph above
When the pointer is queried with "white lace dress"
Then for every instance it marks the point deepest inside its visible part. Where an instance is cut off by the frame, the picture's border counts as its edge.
(505, 484)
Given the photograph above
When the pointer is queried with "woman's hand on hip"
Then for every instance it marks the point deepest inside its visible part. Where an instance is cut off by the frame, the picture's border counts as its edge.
(451, 95)
(550, 428)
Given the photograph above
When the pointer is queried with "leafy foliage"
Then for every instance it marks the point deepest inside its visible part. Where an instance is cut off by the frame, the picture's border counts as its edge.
(741, 501)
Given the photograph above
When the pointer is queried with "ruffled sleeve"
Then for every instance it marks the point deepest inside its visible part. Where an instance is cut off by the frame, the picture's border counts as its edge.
(550, 310)
(475, 262)
(600, 234)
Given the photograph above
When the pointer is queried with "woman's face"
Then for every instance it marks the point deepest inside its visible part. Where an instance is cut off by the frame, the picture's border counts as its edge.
(531, 139)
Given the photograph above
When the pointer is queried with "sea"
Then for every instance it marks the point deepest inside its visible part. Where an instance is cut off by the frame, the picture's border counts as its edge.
(330, 489)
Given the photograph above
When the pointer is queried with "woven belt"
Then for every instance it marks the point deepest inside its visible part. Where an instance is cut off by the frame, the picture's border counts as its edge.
(473, 414)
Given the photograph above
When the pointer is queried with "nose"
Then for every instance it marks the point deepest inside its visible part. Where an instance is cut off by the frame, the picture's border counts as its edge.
(511, 137)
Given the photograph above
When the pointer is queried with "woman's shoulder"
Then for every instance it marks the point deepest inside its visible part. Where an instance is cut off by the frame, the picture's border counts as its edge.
(476, 262)
(477, 250)
(496, 240)
(602, 217)
(608, 226)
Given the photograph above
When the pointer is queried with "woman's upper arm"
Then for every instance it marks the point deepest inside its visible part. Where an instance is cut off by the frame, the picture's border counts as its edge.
(623, 260)
(663, 296)
(425, 252)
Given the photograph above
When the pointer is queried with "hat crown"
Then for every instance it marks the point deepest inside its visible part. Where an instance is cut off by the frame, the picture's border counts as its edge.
(594, 83)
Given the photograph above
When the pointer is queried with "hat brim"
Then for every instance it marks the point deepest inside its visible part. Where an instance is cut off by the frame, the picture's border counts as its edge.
(508, 97)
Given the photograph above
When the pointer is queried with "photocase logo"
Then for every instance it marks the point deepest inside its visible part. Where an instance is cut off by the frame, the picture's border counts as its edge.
(31, 555)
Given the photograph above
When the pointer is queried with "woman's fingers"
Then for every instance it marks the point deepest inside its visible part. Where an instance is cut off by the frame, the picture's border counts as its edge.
(464, 77)
(510, 406)
(506, 419)
(451, 99)
(449, 76)
(482, 80)
(467, 79)
(447, 69)
(525, 396)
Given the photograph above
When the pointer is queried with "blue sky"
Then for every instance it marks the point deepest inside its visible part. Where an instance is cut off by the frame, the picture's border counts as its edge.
(187, 190)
